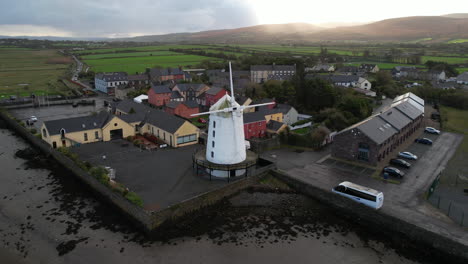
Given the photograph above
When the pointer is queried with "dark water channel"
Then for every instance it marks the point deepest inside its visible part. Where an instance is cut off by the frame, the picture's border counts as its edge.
(46, 216)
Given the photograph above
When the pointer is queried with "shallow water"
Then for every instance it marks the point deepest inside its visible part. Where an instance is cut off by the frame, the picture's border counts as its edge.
(46, 216)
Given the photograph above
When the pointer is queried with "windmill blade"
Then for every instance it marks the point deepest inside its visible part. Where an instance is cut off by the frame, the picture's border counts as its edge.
(252, 106)
(225, 110)
(232, 85)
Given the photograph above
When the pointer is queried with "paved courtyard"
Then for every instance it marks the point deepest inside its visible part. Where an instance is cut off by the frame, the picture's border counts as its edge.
(161, 178)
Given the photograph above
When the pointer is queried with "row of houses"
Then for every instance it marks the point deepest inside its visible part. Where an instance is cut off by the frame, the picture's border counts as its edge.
(349, 70)
(113, 83)
(126, 118)
(373, 139)
(411, 72)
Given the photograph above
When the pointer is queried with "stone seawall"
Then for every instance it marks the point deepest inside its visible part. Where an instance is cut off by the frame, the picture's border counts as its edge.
(147, 221)
(402, 232)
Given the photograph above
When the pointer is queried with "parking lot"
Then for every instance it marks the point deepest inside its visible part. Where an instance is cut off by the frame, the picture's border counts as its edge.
(160, 177)
(417, 149)
(345, 166)
(47, 113)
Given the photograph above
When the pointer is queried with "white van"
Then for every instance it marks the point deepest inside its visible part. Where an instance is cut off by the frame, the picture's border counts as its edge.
(360, 194)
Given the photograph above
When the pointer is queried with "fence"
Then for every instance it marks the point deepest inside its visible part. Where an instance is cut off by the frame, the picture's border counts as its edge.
(457, 212)
(446, 203)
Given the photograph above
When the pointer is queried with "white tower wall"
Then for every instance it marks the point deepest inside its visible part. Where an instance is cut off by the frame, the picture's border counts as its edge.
(225, 143)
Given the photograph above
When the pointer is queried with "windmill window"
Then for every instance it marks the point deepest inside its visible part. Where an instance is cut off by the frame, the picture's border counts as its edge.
(213, 144)
(214, 124)
(214, 134)
(212, 154)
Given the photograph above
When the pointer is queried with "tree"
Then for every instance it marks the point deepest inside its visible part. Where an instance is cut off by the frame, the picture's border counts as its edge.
(450, 70)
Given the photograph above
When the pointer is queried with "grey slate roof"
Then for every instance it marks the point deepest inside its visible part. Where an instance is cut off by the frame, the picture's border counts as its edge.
(348, 69)
(138, 77)
(395, 118)
(186, 86)
(377, 130)
(408, 109)
(214, 90)
(155, 72)
(253, 117)
(412, 96)
(272, 68)
(163, 120)
(176, 95)
(127, 104)
(78, 123)
(274, 125)
(191, 104)
(112, 76)
(463, 77)
(159, 89)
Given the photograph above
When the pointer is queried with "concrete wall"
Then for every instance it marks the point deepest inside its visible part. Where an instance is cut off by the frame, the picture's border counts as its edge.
(147, 221)
(261, 145)
(381, 223)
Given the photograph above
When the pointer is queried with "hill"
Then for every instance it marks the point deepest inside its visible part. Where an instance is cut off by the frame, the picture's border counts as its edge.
(433, 28)
(457, 15)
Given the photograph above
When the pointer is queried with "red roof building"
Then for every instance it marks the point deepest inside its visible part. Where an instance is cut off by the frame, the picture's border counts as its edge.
(255, 125)
(213, 95)
(159, 95)
(182, 109)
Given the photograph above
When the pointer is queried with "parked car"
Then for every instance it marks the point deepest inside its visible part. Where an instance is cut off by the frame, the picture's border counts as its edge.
(401, 163)
(33, 118)
(394, 172)
(425, 141)
(202, 120)
(432, 130)
(407, 155)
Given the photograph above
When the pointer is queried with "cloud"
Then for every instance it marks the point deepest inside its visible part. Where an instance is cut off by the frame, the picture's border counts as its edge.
(32, 30)
(104, 18)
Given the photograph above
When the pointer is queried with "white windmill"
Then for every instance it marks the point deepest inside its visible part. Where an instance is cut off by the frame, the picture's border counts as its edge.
(226, 142)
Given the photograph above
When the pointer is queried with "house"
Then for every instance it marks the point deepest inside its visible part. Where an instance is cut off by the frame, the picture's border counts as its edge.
(164, 75)
(405, 72)
(433, 75)
(261, 73)
(321, 68)
(213, 94)
(348, 70)
(190, 91)
(271, 113)
(245, 101)
(462, 78)
(87, 129)
(159, 95)
(122, 91)
(374, 139)
(220, 78)
(254, 125)
(275, 127)
(173, 130)
(107, 82)
(445, 85)
(138, 81)
(183, 109)
(373, 68)
(352, 81)
(290, 114)
(176, 96)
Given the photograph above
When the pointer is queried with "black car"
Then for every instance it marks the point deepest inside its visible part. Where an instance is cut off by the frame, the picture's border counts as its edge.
(423, 141)
(401, 163)
(394, 172)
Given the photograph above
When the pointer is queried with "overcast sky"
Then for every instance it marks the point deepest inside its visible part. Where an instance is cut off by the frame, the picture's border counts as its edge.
(123, 18)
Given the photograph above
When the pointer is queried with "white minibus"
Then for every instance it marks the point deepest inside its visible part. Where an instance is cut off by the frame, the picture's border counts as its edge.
(360, 194)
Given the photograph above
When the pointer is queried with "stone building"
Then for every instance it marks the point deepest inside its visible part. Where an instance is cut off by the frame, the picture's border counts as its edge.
(375, 138)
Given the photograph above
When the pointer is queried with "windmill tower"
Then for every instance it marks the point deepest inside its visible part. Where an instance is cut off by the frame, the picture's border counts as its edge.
(226, 142)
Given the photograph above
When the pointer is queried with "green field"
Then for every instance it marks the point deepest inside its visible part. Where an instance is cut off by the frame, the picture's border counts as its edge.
(300, 50)
(455, 41)
(462, 70)
(128, 54)
(24, 71)
(144, 48)
(382, 65)
(139, 64)
(450, 60)
(456, 120)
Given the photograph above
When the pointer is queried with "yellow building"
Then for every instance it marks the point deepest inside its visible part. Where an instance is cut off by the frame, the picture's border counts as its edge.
(174, 131)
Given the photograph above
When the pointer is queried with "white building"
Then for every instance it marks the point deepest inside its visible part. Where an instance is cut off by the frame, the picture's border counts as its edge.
(107, 82)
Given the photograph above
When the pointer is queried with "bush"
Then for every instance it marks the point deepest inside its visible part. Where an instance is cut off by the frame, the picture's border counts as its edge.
(33, 131)
(137, 142)
(134, 198)
(101, 174)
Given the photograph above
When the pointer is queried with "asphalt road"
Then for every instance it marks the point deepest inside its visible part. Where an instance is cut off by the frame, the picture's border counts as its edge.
(404, 200)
